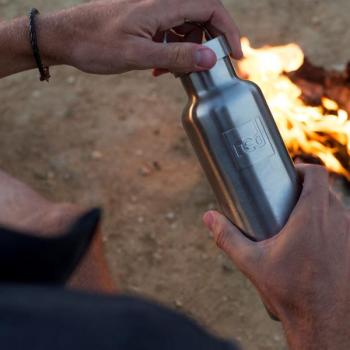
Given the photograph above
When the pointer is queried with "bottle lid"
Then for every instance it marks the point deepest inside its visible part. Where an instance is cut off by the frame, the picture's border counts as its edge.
(220, 46)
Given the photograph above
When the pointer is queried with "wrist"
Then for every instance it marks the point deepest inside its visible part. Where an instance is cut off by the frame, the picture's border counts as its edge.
(51, 39)
(60, 37)
(16, 51)
(318, 331)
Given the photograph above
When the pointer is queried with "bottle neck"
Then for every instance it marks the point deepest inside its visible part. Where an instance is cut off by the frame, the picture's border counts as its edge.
(200, 83)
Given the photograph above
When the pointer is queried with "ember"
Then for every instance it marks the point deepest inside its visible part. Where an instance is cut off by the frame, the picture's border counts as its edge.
(309, 104)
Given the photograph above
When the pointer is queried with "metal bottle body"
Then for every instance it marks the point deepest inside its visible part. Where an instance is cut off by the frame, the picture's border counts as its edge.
(241, 150)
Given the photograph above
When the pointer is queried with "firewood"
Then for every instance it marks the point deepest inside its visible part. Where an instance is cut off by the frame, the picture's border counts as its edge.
(316, 82)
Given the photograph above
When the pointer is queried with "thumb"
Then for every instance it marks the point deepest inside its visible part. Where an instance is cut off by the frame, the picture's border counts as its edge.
(183, 57)
(242, 251)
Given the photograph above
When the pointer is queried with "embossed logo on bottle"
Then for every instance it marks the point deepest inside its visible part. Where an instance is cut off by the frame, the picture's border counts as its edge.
(249, 143)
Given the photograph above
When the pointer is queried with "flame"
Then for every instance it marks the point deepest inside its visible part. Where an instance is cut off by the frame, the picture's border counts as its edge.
(305, 129)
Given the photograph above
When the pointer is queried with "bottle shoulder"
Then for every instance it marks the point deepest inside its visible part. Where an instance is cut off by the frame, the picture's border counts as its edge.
(236, 86)
(228, 95)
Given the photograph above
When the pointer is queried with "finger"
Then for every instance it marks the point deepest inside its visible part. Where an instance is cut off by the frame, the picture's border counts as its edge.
(209, 11)
(315, 179)
(242, 251)
(223, 24)
(314, 198)
(178, 57)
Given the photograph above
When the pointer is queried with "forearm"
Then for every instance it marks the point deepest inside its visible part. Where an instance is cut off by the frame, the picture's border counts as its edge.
(15, 50)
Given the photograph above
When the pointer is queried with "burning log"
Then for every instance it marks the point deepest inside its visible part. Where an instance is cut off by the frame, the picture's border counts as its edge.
(316, 82)
(311, 105)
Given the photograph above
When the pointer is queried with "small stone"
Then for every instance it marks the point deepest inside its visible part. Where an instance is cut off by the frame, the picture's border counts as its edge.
(129, 207)
(39, 175)
(157, 257)
(315, 20)
(204, 256)
(133, 199)
(157, 166)
(36, 93)
(178, 304)
(153, 236)
(227, 267)
(50, 175)
(277, 337)
(145, 171)
(135, 289)
(139, 152)
(209, 235)
(173, 226)
(96, 155)
(67, 176)
(211, 206)
(225, 298)
(71, 80)
(170, 216)
(140, 219)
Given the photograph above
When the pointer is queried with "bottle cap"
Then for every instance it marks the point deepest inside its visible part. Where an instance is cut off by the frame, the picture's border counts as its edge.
(220, 46)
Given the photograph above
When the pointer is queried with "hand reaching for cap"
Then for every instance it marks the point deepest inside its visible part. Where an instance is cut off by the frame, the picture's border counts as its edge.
(118, 36)
(115, 36)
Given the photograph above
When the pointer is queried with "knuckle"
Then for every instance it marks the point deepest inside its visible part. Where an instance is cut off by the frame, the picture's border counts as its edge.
(221, 237)
(130, 55)
(322, 171)
(320, 174)
(178, 56)
(149, 5)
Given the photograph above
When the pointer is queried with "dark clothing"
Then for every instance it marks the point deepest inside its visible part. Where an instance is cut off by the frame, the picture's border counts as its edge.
(37, 313)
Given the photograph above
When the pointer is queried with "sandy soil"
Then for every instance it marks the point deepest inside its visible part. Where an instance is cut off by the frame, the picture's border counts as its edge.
(117, 142)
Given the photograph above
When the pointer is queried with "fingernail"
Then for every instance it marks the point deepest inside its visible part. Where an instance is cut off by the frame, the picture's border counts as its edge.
(205, 58)
(208, 219)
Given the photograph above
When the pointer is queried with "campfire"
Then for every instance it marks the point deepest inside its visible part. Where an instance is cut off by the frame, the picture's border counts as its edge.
(311, 105)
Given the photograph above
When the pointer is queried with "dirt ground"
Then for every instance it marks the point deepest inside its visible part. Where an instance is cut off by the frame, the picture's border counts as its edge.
(117, 142)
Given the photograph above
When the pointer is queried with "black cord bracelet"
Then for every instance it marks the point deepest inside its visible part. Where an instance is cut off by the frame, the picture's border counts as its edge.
(44, 71)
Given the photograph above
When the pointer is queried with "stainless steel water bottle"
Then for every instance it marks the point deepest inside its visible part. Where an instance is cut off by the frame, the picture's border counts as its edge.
(240, 148)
